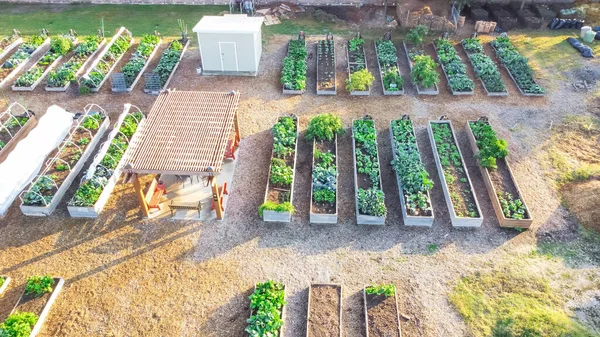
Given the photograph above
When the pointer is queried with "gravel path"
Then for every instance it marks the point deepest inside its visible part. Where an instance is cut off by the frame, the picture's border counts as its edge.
(128, 276)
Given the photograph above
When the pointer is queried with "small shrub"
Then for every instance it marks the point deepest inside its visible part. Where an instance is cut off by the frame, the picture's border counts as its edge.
(84, 90)
(415, 35)
(324, 127)
(360, 80)
(423, 72)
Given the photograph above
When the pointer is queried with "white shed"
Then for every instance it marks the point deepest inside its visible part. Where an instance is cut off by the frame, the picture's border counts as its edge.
(230, 44)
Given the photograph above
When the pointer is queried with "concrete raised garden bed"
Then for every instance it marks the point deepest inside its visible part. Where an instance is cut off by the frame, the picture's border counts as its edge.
(350, 64)
(21, 133)
(5, 284)
(164, 87)
(49, 298)
(410, 220)
(94, 211)
(454, 93)
(364, 219)
(326, 63)
(292, 91)
(324, 218)
(456, 220)
(493, 191)
(380, 311)
(274, 216)
(387, 92)
(63, 185)
(320, 320)
(10, 47)
(513, 78)
(420, 91)
(18, 68)
(82, 68)
(502, 93)
(121, 31)
(139, 75)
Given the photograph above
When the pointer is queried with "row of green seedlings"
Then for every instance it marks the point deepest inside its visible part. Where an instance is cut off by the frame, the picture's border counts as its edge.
(326, 65)
(168, 61)
(20, 324)
(492, 149)
(517, 65)
(359, 77)
(22, 54)
(371, 200)
(422, 67)
(10, 127)
(281, 174)
(67, 72)
(43, 190)
(485, 68)
(266, 310)
(388, 65)
(89, 191)
(93, 80)
(453, 66)
(59, 46)
(293, 74)
(142, 55)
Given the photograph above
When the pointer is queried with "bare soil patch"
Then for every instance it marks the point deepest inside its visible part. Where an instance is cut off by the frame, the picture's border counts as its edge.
(382, 316)
(324, 311)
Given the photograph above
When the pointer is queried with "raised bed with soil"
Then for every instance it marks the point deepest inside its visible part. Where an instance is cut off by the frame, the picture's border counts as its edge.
(84, 54)
(106, 168)
(8, 44)
(323, 213)
(106, 62)
(500, 181)
(324, 314)
(139, 61)
(482, 63)
(25, 52)
(458, 73)
(382, 318)
(39, 305)
(5, 281)
(65, 163)
(458, 190)
(404, 144)
(167, 66)
(326, 67)
(278, 194)
(366, 159)
(357, 60)
(14, 127)
(421, 91)
(296, 57)
(388, 61)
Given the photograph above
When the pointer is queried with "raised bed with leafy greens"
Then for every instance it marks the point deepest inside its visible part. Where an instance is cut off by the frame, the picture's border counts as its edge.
(454, 68)
(17, 60)
(168, 63)
(359, 77)
(139, 60)
(422, 67)
(267, 304)
(293, 73)
(61, 78)
(517, 66)
(391, 79)
(485, 69)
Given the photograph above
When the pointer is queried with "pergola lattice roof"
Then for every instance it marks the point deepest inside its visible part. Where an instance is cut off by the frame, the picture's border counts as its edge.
(185, 133)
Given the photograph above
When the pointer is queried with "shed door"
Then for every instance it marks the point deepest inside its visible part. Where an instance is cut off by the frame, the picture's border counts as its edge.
(228, 56)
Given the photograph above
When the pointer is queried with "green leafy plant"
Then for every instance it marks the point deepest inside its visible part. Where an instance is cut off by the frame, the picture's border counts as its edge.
(472, 45)
(324, 127)
(490, 147)
(284, 136)
(293, 74)
(281, 174)
(24, 52)
(266, 303)
(423, 71)
(415, 36)
(512, 208)
(453, 66)
(517, 65)
(355, 43)
(67, 72)
(168, 61)
(138, 59)
(371, 202)
(324, 178)
(39, 285)
(387, 290)
(272, 206)
(40, 192)
(92, 121)
(360, 80)
(18, 324)
(96, 75)
(2, 280)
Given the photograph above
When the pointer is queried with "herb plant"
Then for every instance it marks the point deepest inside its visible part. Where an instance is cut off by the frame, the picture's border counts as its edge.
(423, 72)
(284, 136)
(386, 290)
(324, 127)
(39, 285)
(2, 280)
(273, 206)
(18, 324)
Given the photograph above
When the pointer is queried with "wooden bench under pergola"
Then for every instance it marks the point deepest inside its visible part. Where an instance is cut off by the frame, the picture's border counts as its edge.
(187, 133)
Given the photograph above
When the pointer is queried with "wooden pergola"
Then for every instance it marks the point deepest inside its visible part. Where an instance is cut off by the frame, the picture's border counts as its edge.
(186, 133)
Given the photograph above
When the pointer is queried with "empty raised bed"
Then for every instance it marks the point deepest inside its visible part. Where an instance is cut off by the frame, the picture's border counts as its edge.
(4, 282)
(167, 65)
(456, 184)
(278, 203)
(15, 124)
(370, 200)
(267, 310)
(33, 306)
(65, 163)
(293, 73)
(517, 66)
(326, 67)
(454, 68)
(59, 46)
(106, 168)
(323, 130)
(382, 318)
(324, 314)
(8, 43)
(17, 61)
(61, 78)
(499, 180)
(101, 68)
(138, 62)
(413, 180)
(389, 71)
(359, 78)
(485, 69)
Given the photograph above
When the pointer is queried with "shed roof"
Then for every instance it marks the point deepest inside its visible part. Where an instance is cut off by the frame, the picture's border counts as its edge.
(231, 24)
(185, 133)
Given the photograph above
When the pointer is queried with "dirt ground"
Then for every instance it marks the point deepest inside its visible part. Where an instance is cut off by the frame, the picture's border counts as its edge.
(128, 276)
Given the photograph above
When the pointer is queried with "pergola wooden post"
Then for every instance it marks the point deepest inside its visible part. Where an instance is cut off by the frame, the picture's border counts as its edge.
(140, 194)
(236, 126)
(216, 195)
